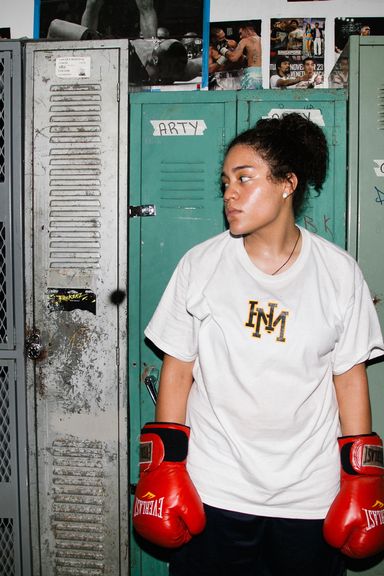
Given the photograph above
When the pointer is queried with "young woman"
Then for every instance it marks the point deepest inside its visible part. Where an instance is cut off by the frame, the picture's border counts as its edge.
(265, 330)
(307, 40)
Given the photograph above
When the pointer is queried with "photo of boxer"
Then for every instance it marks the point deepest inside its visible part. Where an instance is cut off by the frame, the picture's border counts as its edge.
(235, 55)
(165, 37)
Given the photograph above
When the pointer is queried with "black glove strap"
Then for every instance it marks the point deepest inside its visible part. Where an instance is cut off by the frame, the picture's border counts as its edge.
(175, 443)
(346, 461)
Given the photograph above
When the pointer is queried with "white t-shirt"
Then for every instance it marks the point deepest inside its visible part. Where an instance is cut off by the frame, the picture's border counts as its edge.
(262, 409)
(274, 80)
(316, 81)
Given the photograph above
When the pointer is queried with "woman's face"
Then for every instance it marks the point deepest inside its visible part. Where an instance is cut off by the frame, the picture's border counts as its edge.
(252, 199)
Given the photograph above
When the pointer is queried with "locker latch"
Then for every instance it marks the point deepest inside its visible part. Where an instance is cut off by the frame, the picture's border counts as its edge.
(150, 383)
(143, 210)
(33, 345)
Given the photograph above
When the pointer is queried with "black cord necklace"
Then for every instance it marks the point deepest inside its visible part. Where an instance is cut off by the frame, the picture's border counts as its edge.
(289, 257)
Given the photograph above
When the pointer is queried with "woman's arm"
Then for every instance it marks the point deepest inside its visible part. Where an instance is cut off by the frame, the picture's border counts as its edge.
(352, 394)
(175, 383)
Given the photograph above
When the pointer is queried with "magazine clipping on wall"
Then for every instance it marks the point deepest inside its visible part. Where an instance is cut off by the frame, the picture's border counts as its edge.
(297, 53)
(166, 38)
(348, 26)
(234, 58)
(344, 28)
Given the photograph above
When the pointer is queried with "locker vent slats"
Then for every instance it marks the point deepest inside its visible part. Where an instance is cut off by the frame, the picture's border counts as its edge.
(75, 176)
(380, 108)
(78, 506)
(182, 187)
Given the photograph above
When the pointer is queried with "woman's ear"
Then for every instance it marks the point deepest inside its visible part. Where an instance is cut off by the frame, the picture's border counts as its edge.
(291, 184)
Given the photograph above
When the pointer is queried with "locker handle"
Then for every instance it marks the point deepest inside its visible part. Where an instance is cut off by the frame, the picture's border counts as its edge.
(150, 383)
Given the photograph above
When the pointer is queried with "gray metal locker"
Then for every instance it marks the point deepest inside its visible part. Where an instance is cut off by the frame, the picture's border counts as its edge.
(366, 201)
(75, 243)
(14, 516)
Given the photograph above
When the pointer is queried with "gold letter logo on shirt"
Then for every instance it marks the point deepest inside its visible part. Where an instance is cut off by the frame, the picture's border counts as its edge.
(257, 316)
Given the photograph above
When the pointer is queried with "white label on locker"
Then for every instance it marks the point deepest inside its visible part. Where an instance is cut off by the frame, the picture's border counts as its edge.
(312, 114)
(379, 168)
(178, 127)
(73, 67)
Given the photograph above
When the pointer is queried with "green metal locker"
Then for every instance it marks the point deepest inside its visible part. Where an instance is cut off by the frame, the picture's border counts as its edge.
(177, 144)
(324, 214)
(366, 201)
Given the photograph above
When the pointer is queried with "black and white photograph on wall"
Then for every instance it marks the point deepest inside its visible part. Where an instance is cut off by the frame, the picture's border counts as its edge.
(358, 26)
(234, 59)
(339, 76)
(166, 36)
(297, 53)
(5, 33)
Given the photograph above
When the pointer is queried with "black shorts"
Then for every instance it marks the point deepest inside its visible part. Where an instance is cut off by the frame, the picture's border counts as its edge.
(235, 544)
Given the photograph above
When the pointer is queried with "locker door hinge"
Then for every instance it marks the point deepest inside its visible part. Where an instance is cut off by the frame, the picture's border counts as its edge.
(141, 211)
(118, 91)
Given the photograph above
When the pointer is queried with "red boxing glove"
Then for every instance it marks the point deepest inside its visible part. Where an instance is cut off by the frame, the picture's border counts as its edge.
(355, 521)
(167, 509)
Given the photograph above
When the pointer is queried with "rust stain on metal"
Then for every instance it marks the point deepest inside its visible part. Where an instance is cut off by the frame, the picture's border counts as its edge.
(40, 384)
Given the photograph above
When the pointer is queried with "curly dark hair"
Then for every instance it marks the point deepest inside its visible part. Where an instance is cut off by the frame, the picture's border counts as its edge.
(290, 144)
(280, 60)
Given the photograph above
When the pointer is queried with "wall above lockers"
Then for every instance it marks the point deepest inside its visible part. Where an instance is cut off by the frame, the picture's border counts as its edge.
(20, 15)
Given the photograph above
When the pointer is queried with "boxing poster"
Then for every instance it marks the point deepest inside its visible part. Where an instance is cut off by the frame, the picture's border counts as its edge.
(344, 28)
(234, 58)
(166, 36)
(297, 53)
(347, 26)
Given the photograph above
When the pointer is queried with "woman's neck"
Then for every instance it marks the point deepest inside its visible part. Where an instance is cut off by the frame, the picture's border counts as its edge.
(274, 251)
